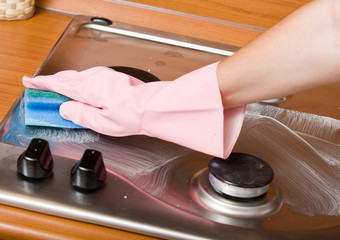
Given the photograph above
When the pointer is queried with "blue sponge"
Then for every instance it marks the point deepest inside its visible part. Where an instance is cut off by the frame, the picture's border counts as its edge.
(42, 109)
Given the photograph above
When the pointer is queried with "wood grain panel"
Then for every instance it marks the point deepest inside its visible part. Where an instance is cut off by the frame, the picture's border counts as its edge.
(260, 13)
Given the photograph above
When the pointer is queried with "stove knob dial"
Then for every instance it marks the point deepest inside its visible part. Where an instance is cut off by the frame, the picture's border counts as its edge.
(36, 162)
(89, 173)
(240, 175)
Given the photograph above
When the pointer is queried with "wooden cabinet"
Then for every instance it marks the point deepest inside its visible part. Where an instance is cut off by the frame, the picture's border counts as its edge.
(258, 13)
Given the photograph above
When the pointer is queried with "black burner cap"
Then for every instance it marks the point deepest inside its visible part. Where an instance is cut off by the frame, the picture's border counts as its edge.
(242, 170)
(137, 73)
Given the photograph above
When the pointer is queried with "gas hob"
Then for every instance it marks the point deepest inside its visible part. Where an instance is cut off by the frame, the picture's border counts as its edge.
(159, 188)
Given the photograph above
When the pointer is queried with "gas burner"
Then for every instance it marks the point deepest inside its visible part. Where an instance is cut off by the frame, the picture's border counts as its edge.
(224, 206)
(137, 73)
(240, 175)
(236, 188)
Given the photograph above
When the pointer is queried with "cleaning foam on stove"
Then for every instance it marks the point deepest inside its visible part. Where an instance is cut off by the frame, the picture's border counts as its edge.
(42, 109)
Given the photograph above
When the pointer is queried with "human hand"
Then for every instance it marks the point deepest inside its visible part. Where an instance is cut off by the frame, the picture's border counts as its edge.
(187, 111)
(299, 53)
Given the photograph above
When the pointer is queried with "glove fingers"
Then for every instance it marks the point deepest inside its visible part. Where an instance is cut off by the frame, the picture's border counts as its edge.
(79, 113)
(51, 82)
(65, 83)
(93, 118)
(91, 86)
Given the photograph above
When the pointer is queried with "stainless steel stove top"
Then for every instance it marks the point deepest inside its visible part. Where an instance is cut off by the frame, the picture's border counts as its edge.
(162, 189)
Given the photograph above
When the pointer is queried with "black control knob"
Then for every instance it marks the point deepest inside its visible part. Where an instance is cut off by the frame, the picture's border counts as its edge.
(89, 173)
(240, 175)
(37, 161)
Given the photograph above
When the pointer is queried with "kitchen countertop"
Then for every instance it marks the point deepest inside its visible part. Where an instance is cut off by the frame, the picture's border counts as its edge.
(259, 13)
(24, 46)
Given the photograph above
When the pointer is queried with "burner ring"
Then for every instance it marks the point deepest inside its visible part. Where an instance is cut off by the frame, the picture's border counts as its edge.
(137, 73)
(233, 191)
(240, 175)
(222, 206)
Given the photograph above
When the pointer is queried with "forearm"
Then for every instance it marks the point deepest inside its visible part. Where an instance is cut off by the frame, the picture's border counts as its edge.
(301, 52)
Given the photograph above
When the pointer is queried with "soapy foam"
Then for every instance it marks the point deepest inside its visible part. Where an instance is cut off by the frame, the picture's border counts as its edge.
(306, 167)
(318, 126)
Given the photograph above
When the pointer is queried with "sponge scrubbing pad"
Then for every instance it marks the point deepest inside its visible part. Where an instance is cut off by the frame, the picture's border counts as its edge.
(42, 109)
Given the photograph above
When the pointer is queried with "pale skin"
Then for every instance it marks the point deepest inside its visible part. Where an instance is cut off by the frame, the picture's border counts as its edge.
(299, 53)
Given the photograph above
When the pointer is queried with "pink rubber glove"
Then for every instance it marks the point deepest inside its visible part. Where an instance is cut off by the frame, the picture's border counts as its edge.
(187, 111)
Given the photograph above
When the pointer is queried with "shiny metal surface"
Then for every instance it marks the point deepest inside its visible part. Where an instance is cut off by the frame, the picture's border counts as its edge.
(162, 189)
(86, 44)
(231, 190)
(119, 204)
